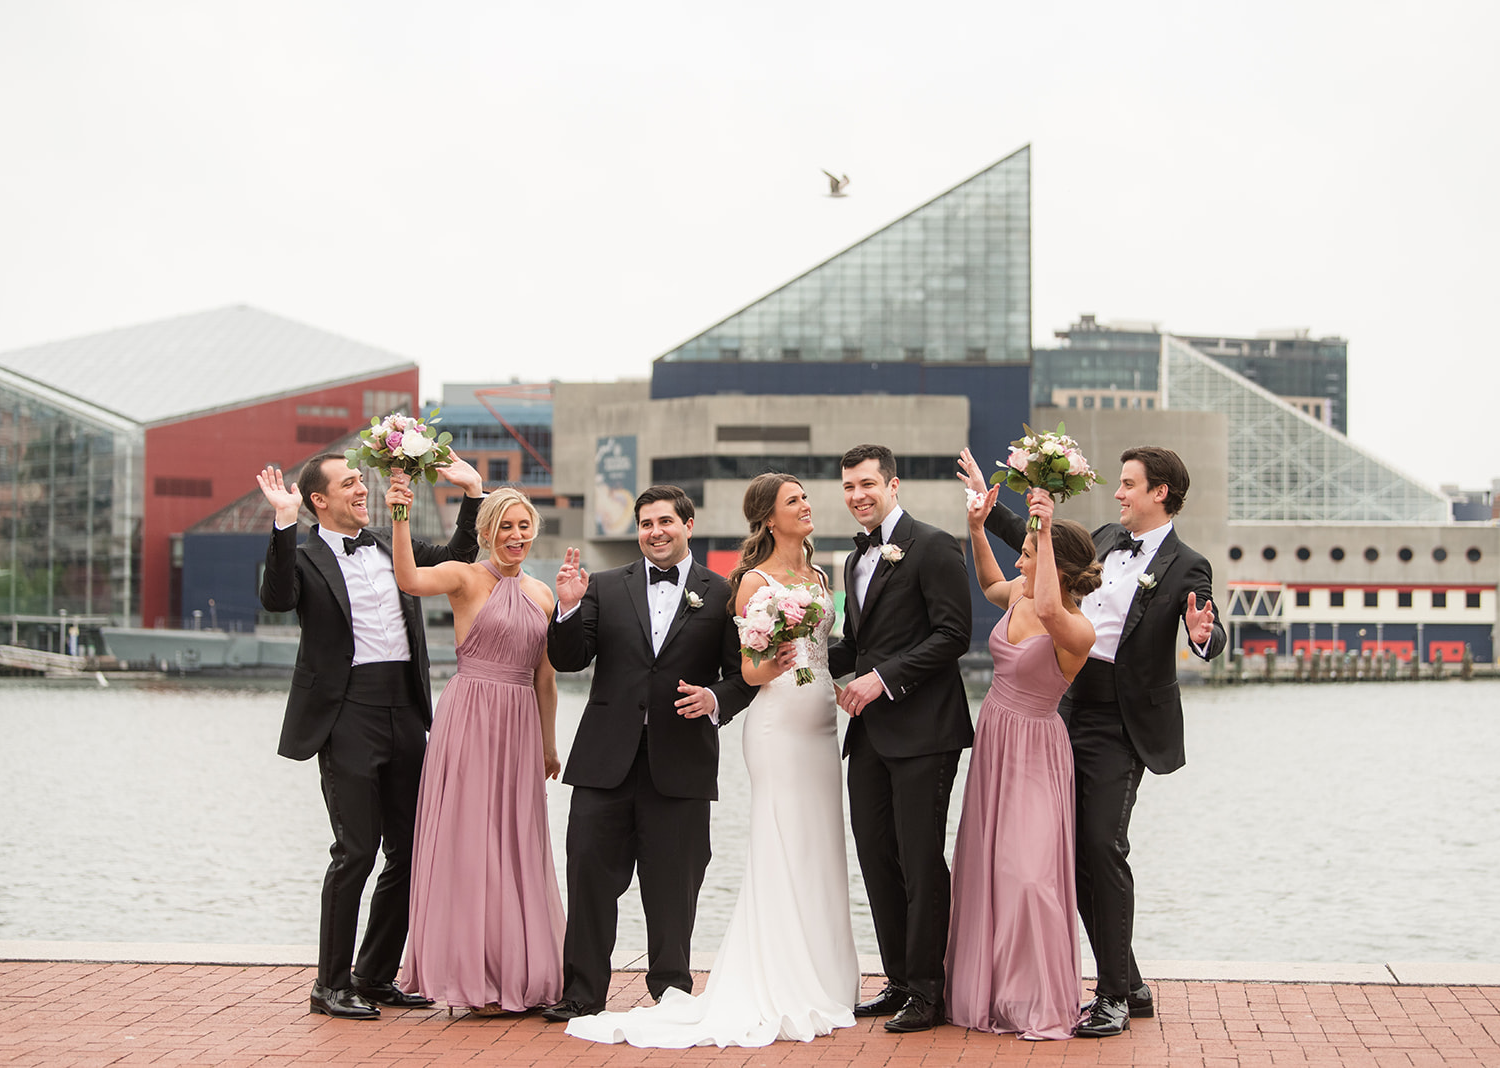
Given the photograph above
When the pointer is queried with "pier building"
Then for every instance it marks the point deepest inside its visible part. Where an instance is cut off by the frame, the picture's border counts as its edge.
(113, 445)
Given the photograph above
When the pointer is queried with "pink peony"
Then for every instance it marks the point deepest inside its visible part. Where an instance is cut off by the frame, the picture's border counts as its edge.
(1018, 459)
(793, 613)
(393, 440)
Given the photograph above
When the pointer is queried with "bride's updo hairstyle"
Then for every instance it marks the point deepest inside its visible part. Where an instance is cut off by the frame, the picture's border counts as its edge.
(760, 505)
(1077, 569)
(493, 509)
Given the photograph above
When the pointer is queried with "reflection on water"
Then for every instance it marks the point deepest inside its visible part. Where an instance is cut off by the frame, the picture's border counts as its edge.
(1352, 822)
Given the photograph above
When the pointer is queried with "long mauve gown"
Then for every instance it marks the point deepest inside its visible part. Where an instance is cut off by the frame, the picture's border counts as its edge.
(1013, 950)
(486, 915)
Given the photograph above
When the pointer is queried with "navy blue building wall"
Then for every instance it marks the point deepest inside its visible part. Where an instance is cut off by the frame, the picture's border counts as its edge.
(226, 568)
(999, 403)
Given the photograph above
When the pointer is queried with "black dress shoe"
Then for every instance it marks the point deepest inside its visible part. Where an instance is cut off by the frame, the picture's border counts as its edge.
(389, 994)
(918, 1014)
(1138, 1001)
(886, 1003)
(1108, 1017)
(343, 1003)
(566, 1010)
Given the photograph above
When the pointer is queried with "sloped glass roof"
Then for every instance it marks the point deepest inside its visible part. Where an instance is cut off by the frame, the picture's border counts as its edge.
(948, 282)
(1286, 466)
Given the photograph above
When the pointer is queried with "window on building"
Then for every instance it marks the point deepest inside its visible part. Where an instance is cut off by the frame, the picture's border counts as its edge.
(791, 354)
(1372, 598)
(1335, 598)
(729, 355)
(1403, 599)
(1439, 599)
(1235, 552)
(1268, 553)
(1372, 554)
(1304, 553)
(1336, 553)
(499, 470)
(1471, 599)
(1107, 403)
(1440, 554)
(852, 354)
(975, 354)
(1473, 555)
(1072, 403)
(1150, 402)
(184, 487)
(382, 402)
(1304, 598)
(1404, 554)
(914, 355)
(1088, 402)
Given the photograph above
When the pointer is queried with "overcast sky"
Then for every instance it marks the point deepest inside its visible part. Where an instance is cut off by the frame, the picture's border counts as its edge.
(568, 190)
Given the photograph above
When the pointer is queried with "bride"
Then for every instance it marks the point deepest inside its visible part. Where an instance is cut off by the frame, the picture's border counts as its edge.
(787, 967)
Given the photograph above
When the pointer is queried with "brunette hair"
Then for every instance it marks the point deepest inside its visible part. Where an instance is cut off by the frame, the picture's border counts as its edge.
(1163, 467)
(493, 510)
(682, 504)
(879, 453)
(1079, 572)
(313, 479)
(759, 505)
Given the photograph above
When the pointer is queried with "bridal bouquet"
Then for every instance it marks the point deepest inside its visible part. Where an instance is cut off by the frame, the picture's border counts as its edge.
(402, 443)
(1051, 461)
(775, 615)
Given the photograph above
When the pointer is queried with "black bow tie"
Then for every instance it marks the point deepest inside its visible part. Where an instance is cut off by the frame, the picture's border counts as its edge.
(1123, 540)
(863, 541)
(365, 538)
(658, 575)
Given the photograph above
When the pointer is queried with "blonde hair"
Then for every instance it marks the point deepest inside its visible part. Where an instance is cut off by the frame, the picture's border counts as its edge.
(493, 510)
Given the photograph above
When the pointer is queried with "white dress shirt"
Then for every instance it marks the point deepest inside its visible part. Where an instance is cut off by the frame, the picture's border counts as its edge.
(374, 602)
(864, 567)
(1107, 607)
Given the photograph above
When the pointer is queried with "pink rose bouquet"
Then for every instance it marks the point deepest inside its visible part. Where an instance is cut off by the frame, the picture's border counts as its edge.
(775, 615)
(1051, 461)
(402, 443)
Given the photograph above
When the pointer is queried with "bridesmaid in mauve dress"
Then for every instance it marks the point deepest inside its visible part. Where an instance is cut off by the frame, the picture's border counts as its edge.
(1013, 949)
(486, 914)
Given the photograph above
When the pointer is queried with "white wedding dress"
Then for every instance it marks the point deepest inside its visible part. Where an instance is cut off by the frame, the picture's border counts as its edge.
(787, 967)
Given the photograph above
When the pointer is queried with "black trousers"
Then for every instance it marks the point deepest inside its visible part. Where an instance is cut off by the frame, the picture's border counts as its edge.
(1107, 773)
(612, 834)
(898, 808)
(371, 767)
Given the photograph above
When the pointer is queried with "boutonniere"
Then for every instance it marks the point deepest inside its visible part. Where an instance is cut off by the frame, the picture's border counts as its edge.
(891, 554)
(694, 602)
(1147, 581)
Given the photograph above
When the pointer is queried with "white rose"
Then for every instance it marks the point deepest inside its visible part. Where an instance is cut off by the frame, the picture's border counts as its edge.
(415, 446)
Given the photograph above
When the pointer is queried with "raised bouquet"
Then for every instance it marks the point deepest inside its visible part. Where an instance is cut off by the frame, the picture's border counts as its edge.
(775, 615)
(402, 443)
(1051, 461)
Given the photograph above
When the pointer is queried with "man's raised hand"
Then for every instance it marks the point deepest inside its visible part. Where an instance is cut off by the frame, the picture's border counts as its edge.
(285, 499)
(572, 581)
(1200, 621)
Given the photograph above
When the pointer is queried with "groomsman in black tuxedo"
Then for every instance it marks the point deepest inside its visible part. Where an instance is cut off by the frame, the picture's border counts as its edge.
(1124, 710)
(644, 765)
(907, 622)
(361, 701)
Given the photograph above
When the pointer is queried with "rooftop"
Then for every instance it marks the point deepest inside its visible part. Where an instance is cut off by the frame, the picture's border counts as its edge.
(162, 371)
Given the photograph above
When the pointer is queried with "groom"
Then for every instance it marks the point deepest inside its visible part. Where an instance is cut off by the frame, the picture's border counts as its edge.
(1124, 711)
(907, 621)
(645, 761)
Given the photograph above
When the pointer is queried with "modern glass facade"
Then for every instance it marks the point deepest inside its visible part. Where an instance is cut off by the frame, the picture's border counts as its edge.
(948, 283)
(71, 498)
(1122, 359)
(1286, 466)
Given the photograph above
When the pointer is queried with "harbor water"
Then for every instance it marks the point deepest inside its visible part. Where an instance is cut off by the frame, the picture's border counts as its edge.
(1343, 822)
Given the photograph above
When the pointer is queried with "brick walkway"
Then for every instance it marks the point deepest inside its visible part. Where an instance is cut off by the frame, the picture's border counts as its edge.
(58, 1014)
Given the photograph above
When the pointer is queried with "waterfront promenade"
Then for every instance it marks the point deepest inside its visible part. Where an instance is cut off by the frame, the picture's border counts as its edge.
(172, 1010)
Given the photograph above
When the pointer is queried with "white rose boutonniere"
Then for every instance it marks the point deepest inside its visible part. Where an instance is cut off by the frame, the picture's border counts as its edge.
(1147, 581)
(694, 602)
(891, 554)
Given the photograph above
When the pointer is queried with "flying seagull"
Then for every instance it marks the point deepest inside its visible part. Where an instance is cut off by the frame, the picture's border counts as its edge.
(836, 185)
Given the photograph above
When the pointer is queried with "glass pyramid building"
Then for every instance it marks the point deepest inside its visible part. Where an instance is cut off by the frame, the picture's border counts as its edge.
(947, 283)
(1286, 466)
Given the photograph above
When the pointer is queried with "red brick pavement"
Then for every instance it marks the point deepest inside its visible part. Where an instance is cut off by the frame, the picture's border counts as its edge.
(58, 1014)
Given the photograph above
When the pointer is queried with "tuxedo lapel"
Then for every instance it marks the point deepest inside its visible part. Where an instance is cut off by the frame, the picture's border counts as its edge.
(1160, 564)
(635, 592)
(697, 582)
(328, 566)
(851, 602)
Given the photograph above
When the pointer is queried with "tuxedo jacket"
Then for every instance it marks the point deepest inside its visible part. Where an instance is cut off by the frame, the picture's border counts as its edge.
(308, 578)
(912, 628)
(1146, 661)
(612, 628)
